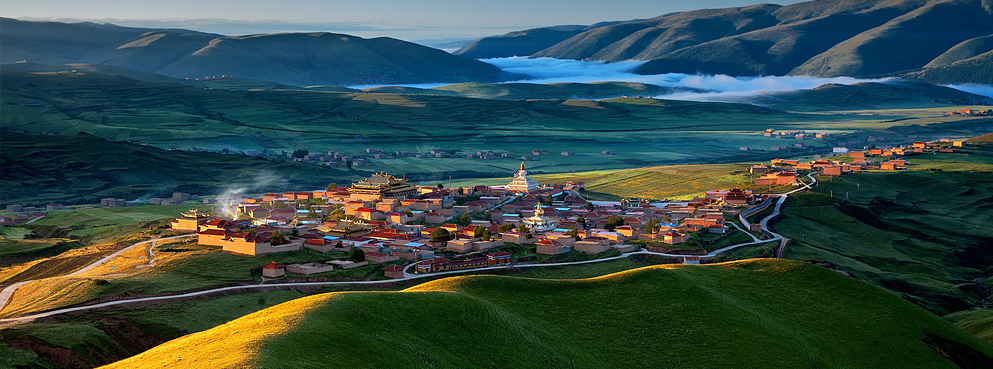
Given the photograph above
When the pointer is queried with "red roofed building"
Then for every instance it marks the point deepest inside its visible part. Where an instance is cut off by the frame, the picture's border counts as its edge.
(433, 265)
(273, 270)
(499, 257)
(393, 271)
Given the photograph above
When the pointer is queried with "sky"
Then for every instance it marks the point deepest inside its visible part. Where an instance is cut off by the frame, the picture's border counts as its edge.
(408, 20)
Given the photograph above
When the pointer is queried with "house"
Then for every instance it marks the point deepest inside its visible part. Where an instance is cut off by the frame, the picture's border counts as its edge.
(549, 247)
(673, 238)
(309, 268)
(514, 237)
(592, 245)
(273, 270)
(462, 245)
(393, 271)
(717, 228)
(433, 265)
(381, 257)
(888, 166)
(213, 237)
(498, 258)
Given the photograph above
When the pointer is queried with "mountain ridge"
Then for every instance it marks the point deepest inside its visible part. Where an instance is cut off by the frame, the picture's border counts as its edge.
(824, 38)
(316, 58)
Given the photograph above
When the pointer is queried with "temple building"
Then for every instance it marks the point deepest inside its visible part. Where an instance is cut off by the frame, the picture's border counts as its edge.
(522, 183)
(382, 186)
(539, 223)
(191, 220)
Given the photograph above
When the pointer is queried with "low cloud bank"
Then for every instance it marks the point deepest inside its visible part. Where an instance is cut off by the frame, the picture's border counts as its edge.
(712, 87)
(984, 90)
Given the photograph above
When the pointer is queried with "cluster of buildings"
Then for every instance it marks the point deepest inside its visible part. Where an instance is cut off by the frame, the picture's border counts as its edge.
(971, 113)
(798, 135)
(783, 171)
(390, 220)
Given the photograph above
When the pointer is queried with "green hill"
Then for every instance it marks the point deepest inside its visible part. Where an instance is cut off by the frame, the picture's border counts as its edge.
(977, 69)
(897, 94)
(83, 169)
(291, 58)
(909, 41)
(518, 43)
(228, 83)
(821, 38)
(751, 314)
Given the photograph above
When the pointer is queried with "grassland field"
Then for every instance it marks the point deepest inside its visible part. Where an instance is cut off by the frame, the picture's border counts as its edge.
(757, 313)
(92, 332)
(643, 132)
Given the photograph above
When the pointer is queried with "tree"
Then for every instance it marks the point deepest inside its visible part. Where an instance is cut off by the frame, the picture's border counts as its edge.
(590, 206)
(348, 164)
(487, 215)
(331, 187)
(522, 228)
(465, 220)
(581, 220)
(460, 191)
(440, 235)
(277, 238)
(506, 227)
(278, 205)
(478, 232)
(574, 232)
(652, 226)
(299, 154)
(486, 235)
(441, 186)
(356, 255)
(613, 221)
(667, 219)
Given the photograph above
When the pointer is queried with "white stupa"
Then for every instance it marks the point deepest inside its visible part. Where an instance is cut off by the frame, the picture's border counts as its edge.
(539, 223)
(522, 183)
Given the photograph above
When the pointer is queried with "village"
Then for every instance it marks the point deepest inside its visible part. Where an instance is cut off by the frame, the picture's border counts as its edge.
(407, 228)
(410, 228)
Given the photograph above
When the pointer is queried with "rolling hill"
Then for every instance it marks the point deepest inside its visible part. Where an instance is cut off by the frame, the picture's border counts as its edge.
(83, 168)
(862, 38)
(521, 43)
(749, 314)
(291, 58)
(895, 94)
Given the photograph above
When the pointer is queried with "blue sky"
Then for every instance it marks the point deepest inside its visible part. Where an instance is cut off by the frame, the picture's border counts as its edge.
(410, 20)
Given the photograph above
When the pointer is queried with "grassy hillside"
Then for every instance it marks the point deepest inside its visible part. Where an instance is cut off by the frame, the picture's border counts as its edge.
(756, 313)
(518, 43)
(97, 338)
(921, 233)
(905, 42)
(228, 83)
(821, 38)
(897, 94)
(291, 58)
(977, 69)
(82, 168)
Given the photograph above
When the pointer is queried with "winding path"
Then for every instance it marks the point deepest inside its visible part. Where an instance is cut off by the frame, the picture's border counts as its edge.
(407, 276)
(8, 292)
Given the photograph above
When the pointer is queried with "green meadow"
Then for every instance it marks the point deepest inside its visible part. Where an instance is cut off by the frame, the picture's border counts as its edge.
(640, 131)
(750, 314)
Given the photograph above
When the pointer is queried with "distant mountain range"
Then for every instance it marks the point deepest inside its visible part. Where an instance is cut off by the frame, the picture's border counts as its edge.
(291, 58)
(939, 41)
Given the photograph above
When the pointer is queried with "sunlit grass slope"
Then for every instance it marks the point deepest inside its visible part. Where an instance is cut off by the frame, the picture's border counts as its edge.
(749, 314)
